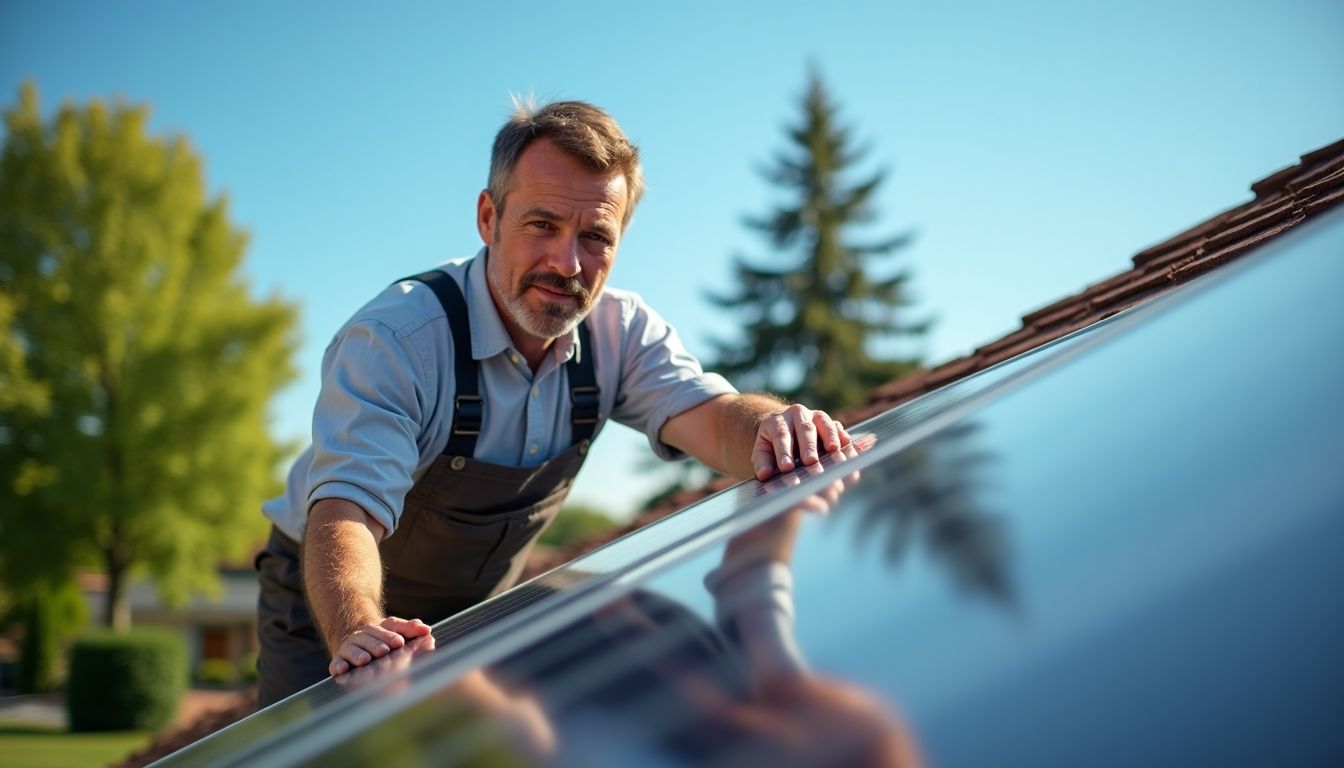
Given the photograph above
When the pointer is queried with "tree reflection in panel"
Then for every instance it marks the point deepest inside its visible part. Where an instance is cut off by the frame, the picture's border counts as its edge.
(1128, 556)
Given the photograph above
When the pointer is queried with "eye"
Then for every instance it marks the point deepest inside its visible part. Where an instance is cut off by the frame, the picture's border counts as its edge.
(599, 237)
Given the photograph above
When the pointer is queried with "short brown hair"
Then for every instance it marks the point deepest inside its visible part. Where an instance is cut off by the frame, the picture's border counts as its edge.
(581, 130)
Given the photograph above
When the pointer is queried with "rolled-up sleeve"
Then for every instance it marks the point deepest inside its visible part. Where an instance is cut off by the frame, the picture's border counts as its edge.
(659, 377)
(376, 388)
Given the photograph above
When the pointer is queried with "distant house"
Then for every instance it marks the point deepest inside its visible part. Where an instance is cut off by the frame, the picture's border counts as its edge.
(220, 628)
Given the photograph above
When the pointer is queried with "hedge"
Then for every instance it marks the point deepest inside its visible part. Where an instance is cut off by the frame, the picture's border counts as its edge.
(125, 680)
(216, 672)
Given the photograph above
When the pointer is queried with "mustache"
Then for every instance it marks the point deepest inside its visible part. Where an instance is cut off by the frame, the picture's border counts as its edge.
(555, 282)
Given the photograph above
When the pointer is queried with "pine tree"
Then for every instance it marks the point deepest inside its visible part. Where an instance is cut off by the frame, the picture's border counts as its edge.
(811, 315)
(135, 436)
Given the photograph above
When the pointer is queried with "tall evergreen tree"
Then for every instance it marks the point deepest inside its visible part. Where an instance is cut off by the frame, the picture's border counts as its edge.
(811, 314)
(135, 435)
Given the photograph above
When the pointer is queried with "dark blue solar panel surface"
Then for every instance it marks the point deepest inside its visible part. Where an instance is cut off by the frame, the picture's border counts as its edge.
(1121, 550)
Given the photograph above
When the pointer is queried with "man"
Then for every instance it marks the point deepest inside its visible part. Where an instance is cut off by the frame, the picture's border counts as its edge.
(457, 407)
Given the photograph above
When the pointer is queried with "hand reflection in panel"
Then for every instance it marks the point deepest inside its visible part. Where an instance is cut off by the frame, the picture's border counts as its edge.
(790, 715)
(646, 681)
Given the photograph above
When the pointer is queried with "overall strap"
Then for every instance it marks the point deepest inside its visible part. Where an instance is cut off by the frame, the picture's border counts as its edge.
(583, 389)
(468, 408)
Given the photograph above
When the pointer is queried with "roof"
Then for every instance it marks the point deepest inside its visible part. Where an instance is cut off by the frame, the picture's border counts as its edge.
(1283, 200)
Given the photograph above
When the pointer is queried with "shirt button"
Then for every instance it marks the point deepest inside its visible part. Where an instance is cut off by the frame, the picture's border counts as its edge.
(536, 391)
(532, 449)
(514, 358)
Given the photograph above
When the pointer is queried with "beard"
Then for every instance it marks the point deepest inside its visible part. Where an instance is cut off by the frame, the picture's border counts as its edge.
(552, 319)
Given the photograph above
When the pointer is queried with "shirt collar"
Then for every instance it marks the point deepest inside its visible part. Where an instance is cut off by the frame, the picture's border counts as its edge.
(488, 335)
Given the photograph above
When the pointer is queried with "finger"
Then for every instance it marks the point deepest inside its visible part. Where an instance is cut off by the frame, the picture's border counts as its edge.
(834, 490)
(376, 640)
(361, 647)
(407, 628)
(351, 654)
(774, 447)
(763, 458)
(781, 437)
(815, 505)
(805, 433)
(338, 667)
(844, 434)
(828, 431)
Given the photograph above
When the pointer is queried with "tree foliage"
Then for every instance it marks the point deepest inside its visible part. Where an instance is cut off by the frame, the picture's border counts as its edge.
(811, 313)
(135, 367)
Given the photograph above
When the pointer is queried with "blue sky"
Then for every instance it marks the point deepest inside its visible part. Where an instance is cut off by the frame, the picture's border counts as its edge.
(1031, 147)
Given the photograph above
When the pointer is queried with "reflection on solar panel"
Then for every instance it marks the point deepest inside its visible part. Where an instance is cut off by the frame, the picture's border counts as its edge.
(1117, 550)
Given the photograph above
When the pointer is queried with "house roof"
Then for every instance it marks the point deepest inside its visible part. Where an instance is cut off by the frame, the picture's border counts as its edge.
(1283, 200)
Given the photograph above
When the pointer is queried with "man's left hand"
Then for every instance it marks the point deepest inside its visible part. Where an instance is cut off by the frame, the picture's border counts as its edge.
(792, 435)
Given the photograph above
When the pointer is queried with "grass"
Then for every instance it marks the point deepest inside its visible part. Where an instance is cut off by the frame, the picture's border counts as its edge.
(33, 746)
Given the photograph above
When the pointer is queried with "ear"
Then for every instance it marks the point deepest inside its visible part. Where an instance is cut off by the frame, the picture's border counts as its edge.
(485, 217)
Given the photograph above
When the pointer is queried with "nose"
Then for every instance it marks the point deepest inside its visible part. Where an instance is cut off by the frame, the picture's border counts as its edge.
(563, 259)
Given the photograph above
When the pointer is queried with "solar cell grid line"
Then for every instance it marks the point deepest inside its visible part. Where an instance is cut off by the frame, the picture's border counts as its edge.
(509, 602)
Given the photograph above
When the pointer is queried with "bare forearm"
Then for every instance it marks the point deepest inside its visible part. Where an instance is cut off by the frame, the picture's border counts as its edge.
(753, 435)
(342, 572)
(721, 432)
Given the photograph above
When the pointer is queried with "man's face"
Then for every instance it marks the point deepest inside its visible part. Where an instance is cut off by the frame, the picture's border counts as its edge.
(552, 244)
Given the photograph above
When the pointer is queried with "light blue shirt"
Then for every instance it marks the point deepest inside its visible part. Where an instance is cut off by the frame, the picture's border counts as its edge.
(385, 407)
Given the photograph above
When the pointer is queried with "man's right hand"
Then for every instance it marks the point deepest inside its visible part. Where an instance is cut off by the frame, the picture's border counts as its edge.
(373, 641)
(343, 581)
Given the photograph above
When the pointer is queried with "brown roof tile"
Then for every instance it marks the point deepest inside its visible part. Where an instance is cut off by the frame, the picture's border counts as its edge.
(951, 371)
(1329, 151)
(1136, 287)
(1317, 204)
(1275, 181)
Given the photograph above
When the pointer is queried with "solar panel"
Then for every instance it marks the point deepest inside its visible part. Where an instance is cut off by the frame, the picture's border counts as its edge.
(1116, 550)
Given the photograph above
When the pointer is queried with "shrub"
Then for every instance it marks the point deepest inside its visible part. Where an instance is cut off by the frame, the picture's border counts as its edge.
(51, 616)
(125, 681)
(216, 672)
(248, 668)
(38, 652)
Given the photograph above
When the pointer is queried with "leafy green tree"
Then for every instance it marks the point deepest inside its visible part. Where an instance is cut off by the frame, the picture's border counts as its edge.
(138, 438)
(811, 313)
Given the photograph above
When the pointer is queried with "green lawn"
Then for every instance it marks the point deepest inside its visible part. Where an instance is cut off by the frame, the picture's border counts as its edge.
(36, 747)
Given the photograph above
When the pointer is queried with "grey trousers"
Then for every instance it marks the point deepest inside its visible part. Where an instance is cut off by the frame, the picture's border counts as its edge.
(292, 656)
